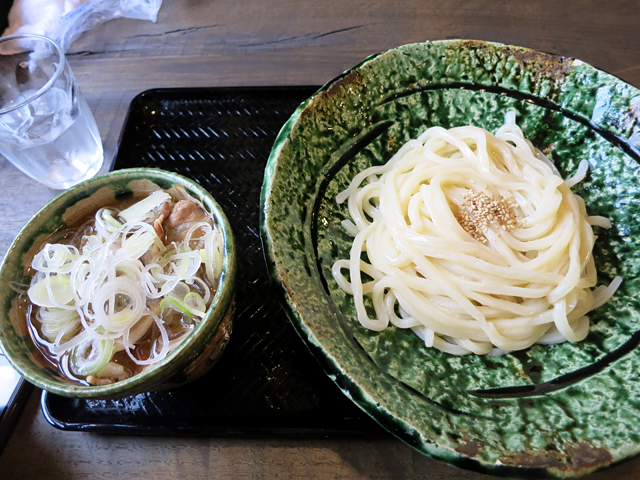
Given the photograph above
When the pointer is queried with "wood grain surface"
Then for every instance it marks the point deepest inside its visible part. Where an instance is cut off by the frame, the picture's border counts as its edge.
(277, 42)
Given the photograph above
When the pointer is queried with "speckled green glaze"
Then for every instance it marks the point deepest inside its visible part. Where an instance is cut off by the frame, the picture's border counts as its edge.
(570, 110)
(192, 358)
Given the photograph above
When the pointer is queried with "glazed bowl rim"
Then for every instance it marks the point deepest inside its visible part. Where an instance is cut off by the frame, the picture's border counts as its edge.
(182, 354)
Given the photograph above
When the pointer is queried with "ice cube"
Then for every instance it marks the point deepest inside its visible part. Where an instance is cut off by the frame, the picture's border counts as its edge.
(41, 121)
(55, 100)
(14, 126)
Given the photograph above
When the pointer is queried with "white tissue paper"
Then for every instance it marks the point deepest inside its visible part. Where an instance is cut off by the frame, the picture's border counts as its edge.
(66, 20)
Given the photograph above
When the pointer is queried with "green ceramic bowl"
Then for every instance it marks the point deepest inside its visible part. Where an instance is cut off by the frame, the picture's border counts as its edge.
(188, 361)
(550, 411)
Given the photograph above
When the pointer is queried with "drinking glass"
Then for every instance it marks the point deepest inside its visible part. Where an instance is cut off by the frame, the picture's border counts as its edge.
(46, 127)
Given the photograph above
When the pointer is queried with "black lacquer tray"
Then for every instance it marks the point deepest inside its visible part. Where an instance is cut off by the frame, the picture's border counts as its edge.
(266, 382)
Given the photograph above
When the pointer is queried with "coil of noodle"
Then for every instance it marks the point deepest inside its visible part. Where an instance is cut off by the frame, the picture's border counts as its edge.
(473, 241)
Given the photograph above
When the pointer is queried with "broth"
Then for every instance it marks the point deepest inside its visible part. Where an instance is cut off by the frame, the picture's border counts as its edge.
(134, 280)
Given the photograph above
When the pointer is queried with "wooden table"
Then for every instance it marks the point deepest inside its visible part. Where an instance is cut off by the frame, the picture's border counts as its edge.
(277, 42)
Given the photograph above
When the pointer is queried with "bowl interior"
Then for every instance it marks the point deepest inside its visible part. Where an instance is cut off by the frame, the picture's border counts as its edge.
(68, 209)
(553, 409)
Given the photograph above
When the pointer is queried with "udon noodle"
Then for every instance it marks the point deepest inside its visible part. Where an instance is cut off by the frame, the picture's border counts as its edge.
(474, 242)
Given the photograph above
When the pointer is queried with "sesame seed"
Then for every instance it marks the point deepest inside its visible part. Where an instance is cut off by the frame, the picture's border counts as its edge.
(481, 210)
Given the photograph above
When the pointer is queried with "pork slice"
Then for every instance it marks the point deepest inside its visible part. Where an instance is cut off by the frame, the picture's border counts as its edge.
(163, 211)
(160, 213)
(185, 213)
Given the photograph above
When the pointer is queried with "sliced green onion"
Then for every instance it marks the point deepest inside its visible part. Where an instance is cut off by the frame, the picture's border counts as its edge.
(104, 304)
(95, 302)
(55, 316)
(157, 356)
(56, 320)
(179, 291)
(124, 316)
(55, 258)
(91, 356)
(169, 302)
(209, 258)
(218, 261)
(186, 242)
(195, 304)
(204, 288)
(141, 210)
(66, 333)
(139, 242)
(136, 332)
(107, 216)
(51, 292)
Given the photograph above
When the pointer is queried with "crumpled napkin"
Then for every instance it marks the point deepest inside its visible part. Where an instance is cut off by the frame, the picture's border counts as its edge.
(66, 20)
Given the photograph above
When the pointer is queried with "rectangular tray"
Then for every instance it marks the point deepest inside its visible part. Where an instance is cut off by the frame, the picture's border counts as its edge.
(267, 382)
